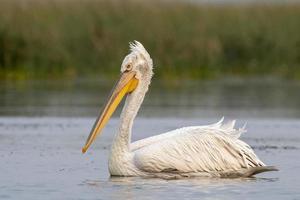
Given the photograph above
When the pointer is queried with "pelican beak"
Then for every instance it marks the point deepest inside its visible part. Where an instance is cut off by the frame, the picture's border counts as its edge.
(125, 85)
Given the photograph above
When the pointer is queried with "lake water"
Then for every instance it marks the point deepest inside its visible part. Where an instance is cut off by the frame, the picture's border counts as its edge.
(44, 125)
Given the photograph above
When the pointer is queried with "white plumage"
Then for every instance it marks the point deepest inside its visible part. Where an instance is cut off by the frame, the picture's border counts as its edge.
(212, 150)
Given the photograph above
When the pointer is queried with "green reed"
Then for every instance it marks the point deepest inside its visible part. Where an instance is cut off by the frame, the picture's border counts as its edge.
(75, 38)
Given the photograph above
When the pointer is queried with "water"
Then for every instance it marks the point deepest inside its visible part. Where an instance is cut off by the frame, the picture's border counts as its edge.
(44, 126)
(206, 99)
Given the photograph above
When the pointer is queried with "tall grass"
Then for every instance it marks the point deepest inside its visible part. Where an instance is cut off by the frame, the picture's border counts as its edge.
(74, 38)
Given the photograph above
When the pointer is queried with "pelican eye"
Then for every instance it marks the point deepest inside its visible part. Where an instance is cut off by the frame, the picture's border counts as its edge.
(128, 67)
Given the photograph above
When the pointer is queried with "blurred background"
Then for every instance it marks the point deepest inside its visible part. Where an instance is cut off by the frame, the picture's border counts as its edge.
(211, 58)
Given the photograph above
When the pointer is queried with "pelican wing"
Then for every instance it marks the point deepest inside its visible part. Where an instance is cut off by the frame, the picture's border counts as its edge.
(197, 149)
(152, 140)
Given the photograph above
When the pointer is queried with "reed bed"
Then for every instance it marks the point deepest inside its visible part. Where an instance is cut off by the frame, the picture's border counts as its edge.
(76, 38)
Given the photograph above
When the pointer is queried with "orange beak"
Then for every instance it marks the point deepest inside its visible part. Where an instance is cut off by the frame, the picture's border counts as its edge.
(125, 85)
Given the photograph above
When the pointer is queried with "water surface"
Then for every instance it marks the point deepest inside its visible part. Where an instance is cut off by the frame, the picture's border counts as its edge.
(44, 125)
(41, 159)
(199, 99)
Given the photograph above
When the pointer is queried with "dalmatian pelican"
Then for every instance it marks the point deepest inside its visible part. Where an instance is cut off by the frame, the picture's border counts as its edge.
(197, 151)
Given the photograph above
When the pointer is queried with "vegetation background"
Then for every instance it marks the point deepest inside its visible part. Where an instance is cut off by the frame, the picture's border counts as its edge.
(53, 39)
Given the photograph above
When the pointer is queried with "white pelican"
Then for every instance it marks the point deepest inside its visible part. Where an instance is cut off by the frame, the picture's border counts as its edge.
(213, 150)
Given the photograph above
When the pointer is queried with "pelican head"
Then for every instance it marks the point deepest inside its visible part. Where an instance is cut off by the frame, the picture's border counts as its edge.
(138, 61)
(136, 74)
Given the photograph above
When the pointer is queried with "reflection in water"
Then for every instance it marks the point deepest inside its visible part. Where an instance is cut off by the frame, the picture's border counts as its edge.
(195, 182)
(190, 99)
(135, 187)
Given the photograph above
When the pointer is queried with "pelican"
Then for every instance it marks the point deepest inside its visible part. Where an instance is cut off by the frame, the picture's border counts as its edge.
(197, 151)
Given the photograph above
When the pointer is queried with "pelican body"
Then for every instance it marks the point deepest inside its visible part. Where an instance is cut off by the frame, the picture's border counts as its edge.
(212, 150)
